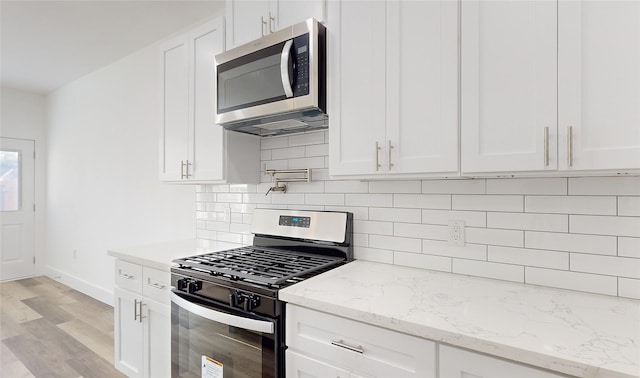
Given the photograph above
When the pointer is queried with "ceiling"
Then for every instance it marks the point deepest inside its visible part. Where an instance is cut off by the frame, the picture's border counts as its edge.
(46, 44)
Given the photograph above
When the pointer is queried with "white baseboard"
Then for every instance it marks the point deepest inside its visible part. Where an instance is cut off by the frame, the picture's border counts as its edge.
(92, 290)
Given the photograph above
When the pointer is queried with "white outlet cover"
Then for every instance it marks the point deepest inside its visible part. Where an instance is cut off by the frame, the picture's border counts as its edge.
(456, 233)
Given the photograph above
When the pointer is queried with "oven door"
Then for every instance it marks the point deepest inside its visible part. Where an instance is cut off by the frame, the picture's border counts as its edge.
(209, 340)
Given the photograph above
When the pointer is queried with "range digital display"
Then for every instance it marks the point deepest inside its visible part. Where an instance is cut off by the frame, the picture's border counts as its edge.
(291, 221)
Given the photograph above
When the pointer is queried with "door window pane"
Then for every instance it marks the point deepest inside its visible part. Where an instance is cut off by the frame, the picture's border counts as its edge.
(9, 181)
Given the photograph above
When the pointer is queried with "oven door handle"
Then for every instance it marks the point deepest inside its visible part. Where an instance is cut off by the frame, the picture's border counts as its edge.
(221, 317)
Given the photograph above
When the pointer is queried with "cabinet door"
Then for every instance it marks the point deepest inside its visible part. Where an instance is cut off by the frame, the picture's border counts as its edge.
(356, 86)
(206, 138)
(128, 334)
(456, 363)
(422, 86)
(246, 21)
(174, 136)
(157, 338)
(288, 12)
(299, 366)
(508, 86)
(599, 84)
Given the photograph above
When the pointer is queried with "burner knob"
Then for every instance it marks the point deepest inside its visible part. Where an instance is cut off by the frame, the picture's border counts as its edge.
(189, 285)
(235, 299)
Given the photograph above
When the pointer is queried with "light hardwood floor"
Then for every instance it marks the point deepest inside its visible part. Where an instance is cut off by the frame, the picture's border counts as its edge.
(50, 330)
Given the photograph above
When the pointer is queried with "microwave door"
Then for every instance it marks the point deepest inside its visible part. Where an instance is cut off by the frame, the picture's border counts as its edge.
(287, 68)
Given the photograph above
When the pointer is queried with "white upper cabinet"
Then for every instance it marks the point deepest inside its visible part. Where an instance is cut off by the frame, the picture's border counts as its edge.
(250, 20)
(508, 86)
(599, 84)
(393, 80)
(193, 147)
(550, 86)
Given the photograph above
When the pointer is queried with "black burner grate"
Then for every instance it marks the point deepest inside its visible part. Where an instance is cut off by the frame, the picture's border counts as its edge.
(271, 267)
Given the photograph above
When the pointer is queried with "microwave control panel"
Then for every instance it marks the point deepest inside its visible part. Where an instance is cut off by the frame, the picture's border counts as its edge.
(300, 51)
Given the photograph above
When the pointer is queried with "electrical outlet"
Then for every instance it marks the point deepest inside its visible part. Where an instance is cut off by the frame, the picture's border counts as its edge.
(456, 233)
(227, 214)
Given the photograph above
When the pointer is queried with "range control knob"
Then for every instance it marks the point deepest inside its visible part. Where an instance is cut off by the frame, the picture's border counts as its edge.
(189, 285)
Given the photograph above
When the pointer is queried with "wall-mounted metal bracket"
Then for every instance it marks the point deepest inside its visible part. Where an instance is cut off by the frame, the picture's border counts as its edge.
(283, 188)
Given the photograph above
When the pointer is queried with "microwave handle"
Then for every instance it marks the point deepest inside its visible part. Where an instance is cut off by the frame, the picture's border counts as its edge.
(284, 68)
(222, 317)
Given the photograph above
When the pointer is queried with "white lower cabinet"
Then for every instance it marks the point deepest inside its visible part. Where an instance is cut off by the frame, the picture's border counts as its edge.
(325, 345)
(456, 363)
(142, 326)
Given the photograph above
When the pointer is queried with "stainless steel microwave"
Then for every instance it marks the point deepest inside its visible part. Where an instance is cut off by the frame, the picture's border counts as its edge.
(276, 84)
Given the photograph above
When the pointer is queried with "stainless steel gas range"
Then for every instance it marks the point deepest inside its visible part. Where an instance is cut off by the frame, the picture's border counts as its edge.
(226, 318)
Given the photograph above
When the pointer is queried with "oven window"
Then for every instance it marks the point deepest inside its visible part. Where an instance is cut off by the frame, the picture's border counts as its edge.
(238, 352)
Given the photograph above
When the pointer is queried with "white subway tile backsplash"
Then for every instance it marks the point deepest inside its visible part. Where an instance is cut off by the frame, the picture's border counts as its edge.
(395, 215)
(443, 248)
(317, 150)
(505, 272)
(574, 233)
(421, 231)
(608, 265)
(422, 201)
(624, 186)
(629, 206)
(629, 288)
(310, 162)
(522, 221)
(373, 227)
(325, 199)
(470, 218)
(596, 205)
(488, 202)
(288, 153)
(629, 247)
(536, 186)
(280, 198)
(372, 200)
(395, 243)
(602, 225)
(529, 257)
(416, 260)
(592, 283)
(346, 187)
(316, 137)
(269, 143)
(373, 254)
(395, 187)
(508, 238)
(602, 245)
(453, 186)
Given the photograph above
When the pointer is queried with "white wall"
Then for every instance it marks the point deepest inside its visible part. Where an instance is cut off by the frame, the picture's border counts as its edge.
(102, 165)
(573, 233)
(23, 116)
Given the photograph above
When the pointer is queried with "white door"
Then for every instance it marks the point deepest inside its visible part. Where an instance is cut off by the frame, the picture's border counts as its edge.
(508, 86)
(128, 333)
(17, 189)
(599, 84)
(422, 87)
(356, 70)
(205, 136)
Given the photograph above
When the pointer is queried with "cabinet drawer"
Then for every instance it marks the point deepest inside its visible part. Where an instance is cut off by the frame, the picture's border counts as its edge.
(155, 284)
(357, 347)
(129, 276)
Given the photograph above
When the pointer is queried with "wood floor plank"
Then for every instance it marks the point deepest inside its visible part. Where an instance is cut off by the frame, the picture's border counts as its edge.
(28, 282)
(48, 310)
(95, 340)
(93, 366)
(54, 338)
(11, 366)
(18, 311)
(102, 320)
(15, 290)
(87, 301)
(41, 361)
(53, 294)
(9, 327)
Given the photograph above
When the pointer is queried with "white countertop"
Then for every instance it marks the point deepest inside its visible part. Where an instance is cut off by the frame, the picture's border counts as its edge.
(160, 255)
(575, 333)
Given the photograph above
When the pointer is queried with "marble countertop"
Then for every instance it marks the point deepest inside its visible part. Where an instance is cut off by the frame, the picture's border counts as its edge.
(160, 255)
(581, 334)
